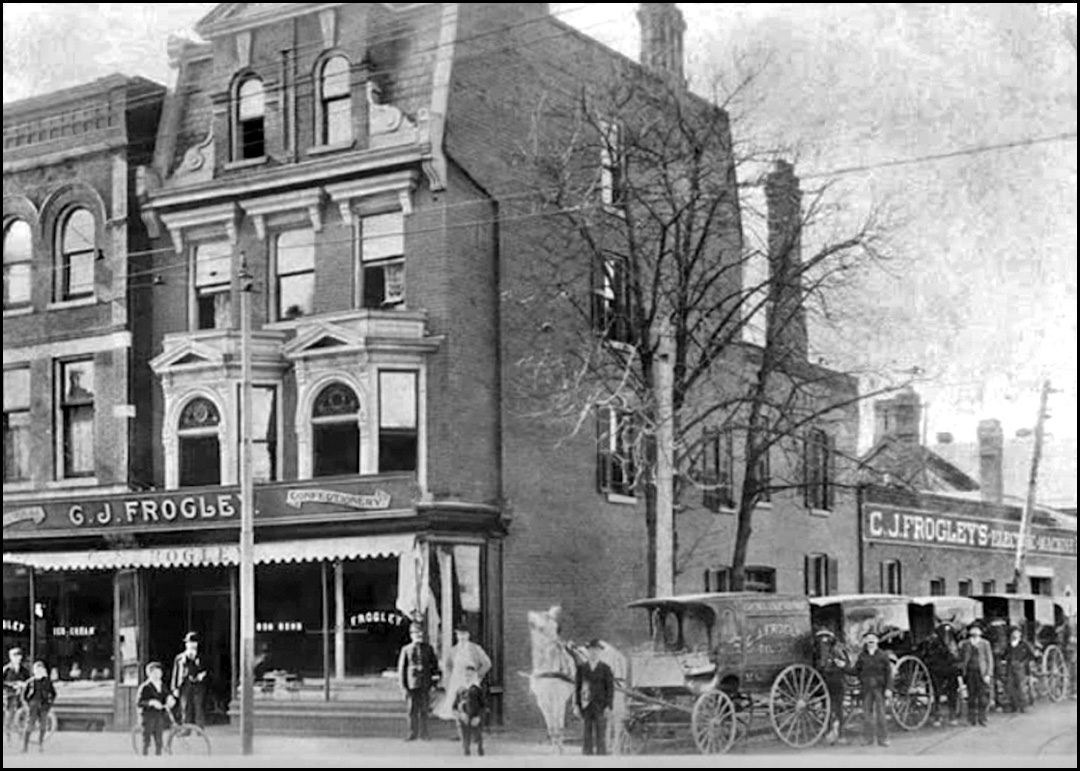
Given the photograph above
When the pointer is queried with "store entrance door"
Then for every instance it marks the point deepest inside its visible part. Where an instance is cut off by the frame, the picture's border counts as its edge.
(210, 614)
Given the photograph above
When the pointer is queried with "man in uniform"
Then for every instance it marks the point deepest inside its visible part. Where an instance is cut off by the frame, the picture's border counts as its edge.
(418, 670)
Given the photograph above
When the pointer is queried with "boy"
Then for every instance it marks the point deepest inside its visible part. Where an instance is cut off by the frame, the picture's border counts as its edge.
(874, 670)
(39, 697)
(153, 701)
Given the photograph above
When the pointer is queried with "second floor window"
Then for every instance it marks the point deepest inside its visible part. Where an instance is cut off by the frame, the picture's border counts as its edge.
(78, 253)
(16, 424)
(819, 470)
(264, 444)
(611, 301)
(382, 253)
(18, 257)
(718, 469)
(964, 587)
(294, 255)
(891, 580)
(335, 427)
(989, 587)
(612, 166)
(250, 122)
(756, 579)
(336, 106)
(820, 573)
(937, 587)
(76, 440)
(616, 469)
(200, 445)
(213, 285)
(397, 421)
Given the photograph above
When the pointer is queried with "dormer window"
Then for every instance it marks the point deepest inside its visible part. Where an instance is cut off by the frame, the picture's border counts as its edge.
(250, 128)
(335, 90)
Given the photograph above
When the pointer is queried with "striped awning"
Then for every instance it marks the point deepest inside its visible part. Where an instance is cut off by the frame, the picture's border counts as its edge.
(204, 555)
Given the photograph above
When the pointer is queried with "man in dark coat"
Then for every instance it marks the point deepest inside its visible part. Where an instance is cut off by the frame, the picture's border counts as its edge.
(1018, 656)
(594, 695)
(418, 671)
(188, 682)
(832, 662)
(977, 668)
(874, 670)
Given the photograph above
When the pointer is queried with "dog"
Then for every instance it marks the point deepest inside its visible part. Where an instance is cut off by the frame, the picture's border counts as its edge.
(469, 709)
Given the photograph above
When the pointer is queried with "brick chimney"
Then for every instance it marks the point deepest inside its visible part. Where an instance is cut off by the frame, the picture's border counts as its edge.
(662, 31)
(786, 316)
(899, 417)
(991, 450)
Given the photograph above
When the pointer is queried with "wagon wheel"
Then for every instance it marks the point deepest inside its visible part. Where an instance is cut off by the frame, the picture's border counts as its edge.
(713, 723)
(631, 737)
(913, 693)
(1055, 673)
(799, 706)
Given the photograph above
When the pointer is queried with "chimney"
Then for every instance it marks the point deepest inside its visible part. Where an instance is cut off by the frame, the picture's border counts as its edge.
(662, 31)
(786, 316)
(991, 450)
(899, 418)
(944, 437)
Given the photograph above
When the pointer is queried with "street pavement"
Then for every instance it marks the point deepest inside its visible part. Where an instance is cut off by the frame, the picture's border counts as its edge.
(1043, 737)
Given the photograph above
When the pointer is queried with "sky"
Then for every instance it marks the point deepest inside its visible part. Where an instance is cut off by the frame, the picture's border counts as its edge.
(980, 290)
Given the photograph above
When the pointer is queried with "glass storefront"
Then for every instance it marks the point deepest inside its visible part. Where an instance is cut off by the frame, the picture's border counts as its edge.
(73, 621)
(17, 609)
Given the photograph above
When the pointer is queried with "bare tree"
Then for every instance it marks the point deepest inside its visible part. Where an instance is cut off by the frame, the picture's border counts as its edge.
(654, 245)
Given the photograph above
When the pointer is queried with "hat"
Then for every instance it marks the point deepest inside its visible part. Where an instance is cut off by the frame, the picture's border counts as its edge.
(824, 633)
(416, 627)
(1014, 628)
(154, 665)
(594, 643)
(868, 635)
(191, 637)
(15, 651)
(975, 627)
(461, 626)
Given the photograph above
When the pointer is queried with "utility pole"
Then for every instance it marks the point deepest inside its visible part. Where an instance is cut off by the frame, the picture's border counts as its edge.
(247, 525)
(1029, 506)
(665, 449)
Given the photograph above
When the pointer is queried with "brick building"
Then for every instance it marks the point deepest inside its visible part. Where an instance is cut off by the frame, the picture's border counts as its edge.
(75, 405)
(928, 528)
(350, 172)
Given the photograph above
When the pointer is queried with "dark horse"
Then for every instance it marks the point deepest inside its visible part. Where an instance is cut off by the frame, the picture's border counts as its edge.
(942, 656)
(469, 708)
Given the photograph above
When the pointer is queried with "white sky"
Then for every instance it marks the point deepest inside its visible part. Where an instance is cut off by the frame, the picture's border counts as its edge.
(983, 291)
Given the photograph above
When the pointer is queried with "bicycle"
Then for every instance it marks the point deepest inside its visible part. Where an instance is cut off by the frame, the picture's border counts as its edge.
(17, 720)
(179, 738)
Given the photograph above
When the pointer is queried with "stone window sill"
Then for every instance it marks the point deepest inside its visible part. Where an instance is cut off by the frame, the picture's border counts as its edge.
(334, 148)
(246, 164)
(820, 513)
(79, 302)
(24, 311)
(626, 500)
(58, 484)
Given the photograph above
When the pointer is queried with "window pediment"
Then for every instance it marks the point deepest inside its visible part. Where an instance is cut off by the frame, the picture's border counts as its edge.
(284, 209)
(323, 338)
(188, 355)
(208, 221)
(375, 195)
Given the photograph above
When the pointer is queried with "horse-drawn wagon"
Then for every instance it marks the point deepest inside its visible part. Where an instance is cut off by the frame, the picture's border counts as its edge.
(720, 665)
(1042, 622)
(938, 623)
(850, 618)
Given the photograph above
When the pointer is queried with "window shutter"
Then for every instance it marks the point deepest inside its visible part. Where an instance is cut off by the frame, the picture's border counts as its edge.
(833, 570)
(603, 456)
(830, 476)
(807, 456)
(596, 298)
(808, 569)
(899, 577)
(883, 578)
(708, 586)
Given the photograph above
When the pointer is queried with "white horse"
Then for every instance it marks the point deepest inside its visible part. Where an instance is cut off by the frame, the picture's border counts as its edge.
(554, 671)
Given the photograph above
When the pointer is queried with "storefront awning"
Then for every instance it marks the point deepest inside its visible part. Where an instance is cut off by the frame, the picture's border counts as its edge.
(205, 555)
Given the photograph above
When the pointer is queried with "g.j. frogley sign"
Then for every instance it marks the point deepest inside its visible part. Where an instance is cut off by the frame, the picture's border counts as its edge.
(896, 525)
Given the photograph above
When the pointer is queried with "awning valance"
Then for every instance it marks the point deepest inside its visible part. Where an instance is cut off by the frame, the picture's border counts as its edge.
(203, 555)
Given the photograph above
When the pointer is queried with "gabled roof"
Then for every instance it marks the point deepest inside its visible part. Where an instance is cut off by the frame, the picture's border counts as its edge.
(915, 467)
(232, 17)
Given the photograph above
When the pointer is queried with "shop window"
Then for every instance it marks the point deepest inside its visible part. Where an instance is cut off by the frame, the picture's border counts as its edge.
(820, 573)
(937, 587)
(76, 419)
(964, 587)
(457, 587)
(73, 620)
(78, 252)
(249, 139)
(397, 421)
(819, 470)
(757, 579)
(615, 464)
(212, 285)
(611, 302)
(264, 432)
(382, 252)
(336, 101)
(989, 587)
(294, 259)
(613, 187)
(200, 448)
(374, 629)
(891, 582)
(16, 424)
(18, 259)
(289, 620)
(336, 431)
(718, 470)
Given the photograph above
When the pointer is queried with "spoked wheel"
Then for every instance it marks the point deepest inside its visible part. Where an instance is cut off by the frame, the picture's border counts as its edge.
(188, 739)
(799, 706)
(713, 723)
(913, 693)
(631, 737)
(1055, 673)
(136, 738)
(21, 721)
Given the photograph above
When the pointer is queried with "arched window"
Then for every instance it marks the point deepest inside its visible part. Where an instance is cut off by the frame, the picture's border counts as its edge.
(200, 448)
(336, 431)
(336, 93)
(250, 128)
(18, 253)
(78, 250)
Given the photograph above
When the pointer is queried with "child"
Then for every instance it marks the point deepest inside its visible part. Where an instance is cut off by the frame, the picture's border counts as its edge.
(39, 697)
(152, 703)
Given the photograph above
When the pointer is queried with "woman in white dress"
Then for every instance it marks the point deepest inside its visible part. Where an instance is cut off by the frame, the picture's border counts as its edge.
(468, 664)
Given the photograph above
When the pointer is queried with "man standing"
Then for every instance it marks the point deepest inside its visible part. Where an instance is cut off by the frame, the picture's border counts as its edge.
(1018, 655)
(595, 695)
(832, 662)
(874, 670)
(418, 669)
(16, 675)
(977, 667)
(188, 682)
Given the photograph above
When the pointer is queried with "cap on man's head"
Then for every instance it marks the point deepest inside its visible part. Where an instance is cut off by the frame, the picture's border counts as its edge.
(461, 627)
(154, 665)
(870, 636)
(975, 627)
(824, 633)
(595, 644)
(15, 652)
(191, 637)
